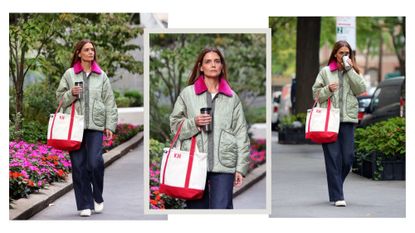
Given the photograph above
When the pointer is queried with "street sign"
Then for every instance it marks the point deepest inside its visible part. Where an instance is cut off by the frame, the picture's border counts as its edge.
(346, 30)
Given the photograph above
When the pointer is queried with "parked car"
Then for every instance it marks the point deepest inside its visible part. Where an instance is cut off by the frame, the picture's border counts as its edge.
(275, 106)
(387, 101)
(364, 102)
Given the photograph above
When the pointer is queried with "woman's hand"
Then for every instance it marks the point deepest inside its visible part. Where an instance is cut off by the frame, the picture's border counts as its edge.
(108, 134)
(333, 87)
(76, 90)
(203, 119)
(238, 179)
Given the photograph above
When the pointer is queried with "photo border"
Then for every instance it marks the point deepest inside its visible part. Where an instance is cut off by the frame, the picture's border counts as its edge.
(146, 61)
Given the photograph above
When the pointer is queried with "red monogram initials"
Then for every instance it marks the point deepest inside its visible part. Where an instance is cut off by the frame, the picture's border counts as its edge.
(318, 110)
(61, 117)
(177, 155)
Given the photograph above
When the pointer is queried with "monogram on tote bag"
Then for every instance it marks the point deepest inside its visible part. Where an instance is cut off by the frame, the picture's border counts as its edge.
(183, 173)
(65, 131)
(322, 124)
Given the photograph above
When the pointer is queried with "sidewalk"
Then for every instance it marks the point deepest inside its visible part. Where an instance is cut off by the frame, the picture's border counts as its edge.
(299, 188)
(25, 208)
(123, 194)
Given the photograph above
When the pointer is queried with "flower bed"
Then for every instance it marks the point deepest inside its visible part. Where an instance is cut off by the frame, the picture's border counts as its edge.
(123, 133)
(34, 166)
(257, 153)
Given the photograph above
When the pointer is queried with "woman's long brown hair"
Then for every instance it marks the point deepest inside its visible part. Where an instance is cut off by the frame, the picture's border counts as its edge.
(336, 47)
(196, 68)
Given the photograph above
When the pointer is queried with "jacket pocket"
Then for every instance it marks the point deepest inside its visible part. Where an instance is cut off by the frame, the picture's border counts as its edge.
(227, 149)
(351, 106)
(98, 113)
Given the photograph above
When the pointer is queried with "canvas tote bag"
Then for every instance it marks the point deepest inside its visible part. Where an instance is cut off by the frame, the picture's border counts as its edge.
(322, 124)
(183, 173)
(65, 131)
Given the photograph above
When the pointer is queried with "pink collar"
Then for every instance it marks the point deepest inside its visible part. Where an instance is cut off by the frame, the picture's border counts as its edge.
(333, 66)
(201, 87)
(94, 68)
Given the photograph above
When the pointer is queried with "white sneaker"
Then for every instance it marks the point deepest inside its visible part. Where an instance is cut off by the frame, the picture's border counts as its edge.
(85, 213)
(98, 207)
(340, 203)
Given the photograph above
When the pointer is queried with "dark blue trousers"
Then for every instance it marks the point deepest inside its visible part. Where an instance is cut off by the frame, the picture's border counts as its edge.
(88, 170)
(218, 192)
(338, 157)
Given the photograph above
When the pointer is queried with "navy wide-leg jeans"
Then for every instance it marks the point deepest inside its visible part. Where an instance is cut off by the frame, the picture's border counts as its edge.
(218, 192)
(88, 170)
(338, 157)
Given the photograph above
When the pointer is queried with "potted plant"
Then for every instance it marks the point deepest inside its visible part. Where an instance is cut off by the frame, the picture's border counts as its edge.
(291, 129)
(380, 150)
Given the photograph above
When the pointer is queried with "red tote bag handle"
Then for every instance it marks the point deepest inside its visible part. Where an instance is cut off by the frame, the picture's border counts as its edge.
(327, 114)
(191, 153)
(72, 118)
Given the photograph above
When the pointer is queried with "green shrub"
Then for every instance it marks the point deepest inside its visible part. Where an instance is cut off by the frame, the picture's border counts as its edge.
(122, 102)
(128, 99)
(288, 120)
(256, 115)
(136, 98)
(31, 132)
(39, 102)
(386, 137)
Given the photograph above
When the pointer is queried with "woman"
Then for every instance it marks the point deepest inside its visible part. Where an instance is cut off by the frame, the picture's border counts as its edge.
(227, 144)
(340, 82)
(93, 98)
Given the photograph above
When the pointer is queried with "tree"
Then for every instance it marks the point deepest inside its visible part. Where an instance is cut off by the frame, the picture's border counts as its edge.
(396, 29)
(307, 59)
(27, 39)
(44, 43)
(283, 45)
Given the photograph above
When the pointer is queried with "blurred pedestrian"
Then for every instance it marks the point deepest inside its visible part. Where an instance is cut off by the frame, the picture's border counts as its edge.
(222, 134)
(341, 82)
(88, 87)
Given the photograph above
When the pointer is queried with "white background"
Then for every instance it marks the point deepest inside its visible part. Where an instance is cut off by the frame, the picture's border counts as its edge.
(211, 14)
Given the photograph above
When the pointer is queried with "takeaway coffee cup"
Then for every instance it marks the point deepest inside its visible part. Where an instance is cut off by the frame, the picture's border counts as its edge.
(345, 63)
(79, 84)
(206, 128)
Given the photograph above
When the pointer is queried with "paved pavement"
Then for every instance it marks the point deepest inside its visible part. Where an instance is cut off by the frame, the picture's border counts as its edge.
(299, 188)
(123, 194)
(252, 198)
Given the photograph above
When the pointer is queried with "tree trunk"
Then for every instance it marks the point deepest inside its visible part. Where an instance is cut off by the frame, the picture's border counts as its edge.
(307, 61)
(380, 58)
(368, 45)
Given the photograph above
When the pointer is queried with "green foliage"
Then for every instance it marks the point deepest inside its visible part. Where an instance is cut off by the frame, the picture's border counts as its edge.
(156, 150)
(44, 42)
(288, 120)
(385, 137)
(40, 101)
(159, 121)
(284, 34)
(135, 97)
(256, 115)
(31, 132)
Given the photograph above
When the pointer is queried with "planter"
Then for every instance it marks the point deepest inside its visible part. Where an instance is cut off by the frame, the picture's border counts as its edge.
(287, 135)
(393, 168)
